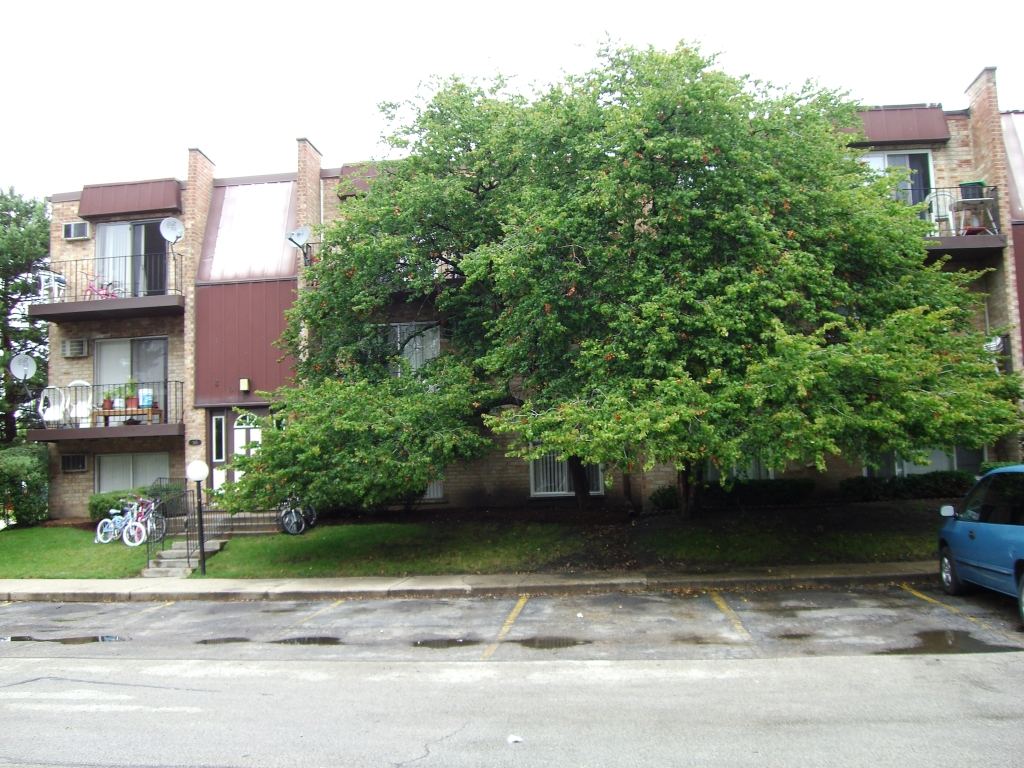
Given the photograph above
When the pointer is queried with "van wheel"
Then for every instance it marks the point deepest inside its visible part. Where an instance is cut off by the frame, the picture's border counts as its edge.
(947, 570)
(1020, 597)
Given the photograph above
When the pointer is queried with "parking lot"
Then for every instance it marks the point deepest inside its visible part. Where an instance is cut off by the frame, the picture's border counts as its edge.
(893, 619)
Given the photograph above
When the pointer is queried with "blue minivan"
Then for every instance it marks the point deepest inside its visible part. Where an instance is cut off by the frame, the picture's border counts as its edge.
(983, 541)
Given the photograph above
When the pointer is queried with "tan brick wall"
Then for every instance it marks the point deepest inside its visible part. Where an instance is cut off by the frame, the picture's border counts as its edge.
(330, 205)
(196, 202)
(70, 491)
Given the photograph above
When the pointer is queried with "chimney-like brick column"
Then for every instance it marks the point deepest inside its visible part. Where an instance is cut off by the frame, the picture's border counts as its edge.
(196, 202)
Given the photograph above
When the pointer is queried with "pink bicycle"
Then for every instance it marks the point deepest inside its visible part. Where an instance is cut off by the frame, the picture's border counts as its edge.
(98, 290)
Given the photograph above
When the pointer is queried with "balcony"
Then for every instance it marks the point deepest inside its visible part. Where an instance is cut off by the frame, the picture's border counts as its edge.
(965, 219)
(147, 285)
(87, 412)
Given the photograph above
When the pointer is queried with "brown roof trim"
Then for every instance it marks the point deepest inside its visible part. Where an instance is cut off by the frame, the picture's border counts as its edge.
(903, 125)
(269, 178)
(330, 173)
(130, 197)
(966, 112)
(65, 197)
(167, 305)
(291, 279)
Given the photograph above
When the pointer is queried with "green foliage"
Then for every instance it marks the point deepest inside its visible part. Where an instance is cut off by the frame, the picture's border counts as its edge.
(361, 443)
(988, 466)
(759, 493)
(24, 245)
(665, 498)
(932, 485)
(652, 262)
(25, 482)
(100, 504)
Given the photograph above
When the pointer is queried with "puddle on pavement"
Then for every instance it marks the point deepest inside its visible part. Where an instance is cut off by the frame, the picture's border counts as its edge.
(64, 640)
(948, 641)
(222, 640)
(702, 640)
(794, 636)
(280, 610)
(445, 643)
(549, 643)
(309, 641)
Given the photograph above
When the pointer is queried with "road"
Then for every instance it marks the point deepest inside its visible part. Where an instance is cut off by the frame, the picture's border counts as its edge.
(880, 675)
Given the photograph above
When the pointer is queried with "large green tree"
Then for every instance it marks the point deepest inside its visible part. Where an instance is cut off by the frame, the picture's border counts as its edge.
(656, 262)
(24, 246)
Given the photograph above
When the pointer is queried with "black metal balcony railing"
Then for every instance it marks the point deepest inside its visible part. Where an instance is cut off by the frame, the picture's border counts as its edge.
(111, 277)
(111, 405)
(957, 211)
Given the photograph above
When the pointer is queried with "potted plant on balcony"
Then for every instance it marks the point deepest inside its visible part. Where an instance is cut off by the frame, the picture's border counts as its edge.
(108, 400)
(131, 396)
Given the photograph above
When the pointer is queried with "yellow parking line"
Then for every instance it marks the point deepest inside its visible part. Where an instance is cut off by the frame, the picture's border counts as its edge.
(314, 615)
(732, 616)
(147, 610)
(958, 612)
(505, 628)
(3, 604)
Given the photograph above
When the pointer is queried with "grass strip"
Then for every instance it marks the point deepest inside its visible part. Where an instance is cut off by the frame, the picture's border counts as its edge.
(398, 549)
(65, 553)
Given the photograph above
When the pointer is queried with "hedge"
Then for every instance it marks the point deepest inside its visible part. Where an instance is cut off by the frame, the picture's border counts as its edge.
(933, 485)
(25, 482)
(747, 493)
(100, 504)
(988, 466)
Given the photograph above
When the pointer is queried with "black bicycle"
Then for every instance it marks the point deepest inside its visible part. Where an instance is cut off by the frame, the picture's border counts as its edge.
(295, 517)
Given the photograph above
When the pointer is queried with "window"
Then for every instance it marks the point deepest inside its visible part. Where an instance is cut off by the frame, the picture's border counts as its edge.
(918, 163)
(143, 361)
(72, 462)
(219, 440)
(435, 491)
(123, 471)
(550, 477)
(417, 342)
(131, 258)
(1004, 501)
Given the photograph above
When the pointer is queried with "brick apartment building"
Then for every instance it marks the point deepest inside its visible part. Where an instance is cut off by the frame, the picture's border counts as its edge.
(157, 349)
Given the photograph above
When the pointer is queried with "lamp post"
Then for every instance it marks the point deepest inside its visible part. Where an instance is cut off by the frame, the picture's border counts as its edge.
(197, 472)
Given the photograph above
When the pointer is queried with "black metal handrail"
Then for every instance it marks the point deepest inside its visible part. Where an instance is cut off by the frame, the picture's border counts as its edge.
(111, 277)
(110, 405)
(968, 209)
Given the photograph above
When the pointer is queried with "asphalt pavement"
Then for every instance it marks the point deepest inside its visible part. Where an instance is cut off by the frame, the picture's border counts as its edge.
(897, 673)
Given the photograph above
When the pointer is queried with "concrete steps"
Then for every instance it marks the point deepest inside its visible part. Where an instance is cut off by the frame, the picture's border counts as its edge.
(174, 562)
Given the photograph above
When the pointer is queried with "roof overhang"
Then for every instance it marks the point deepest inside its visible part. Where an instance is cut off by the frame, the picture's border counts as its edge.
(138, 197)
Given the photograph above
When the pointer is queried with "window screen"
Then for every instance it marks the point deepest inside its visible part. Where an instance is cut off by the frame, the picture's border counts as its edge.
(72, 462)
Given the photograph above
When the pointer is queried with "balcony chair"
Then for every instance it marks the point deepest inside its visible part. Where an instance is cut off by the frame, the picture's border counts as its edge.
(79, 408)
(52, 287)
(52, 404)
(940, 210)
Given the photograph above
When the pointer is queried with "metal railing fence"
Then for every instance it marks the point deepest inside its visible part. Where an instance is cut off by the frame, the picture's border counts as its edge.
(112, 277)
(109, 405)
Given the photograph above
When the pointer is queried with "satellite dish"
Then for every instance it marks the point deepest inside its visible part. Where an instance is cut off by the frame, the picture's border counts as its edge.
(23, 367)
(995, 345)
(299, 236)
(172, 230)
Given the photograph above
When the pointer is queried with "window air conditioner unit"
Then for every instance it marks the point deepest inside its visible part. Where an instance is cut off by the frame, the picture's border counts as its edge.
(76, 230)
(74, 347)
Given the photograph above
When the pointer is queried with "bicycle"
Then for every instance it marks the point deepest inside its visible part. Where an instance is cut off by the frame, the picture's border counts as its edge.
(150, 517)
(295, 517)
(121, 523)
(98, 290)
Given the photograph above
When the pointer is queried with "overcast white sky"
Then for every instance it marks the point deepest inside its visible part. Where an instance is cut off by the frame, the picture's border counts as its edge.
(104, 91)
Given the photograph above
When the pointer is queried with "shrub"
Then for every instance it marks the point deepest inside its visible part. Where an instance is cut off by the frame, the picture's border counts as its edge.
(933, 485)
(25, 482)
(101, 503)
(760, 493)
(666, 498)
(988, 466)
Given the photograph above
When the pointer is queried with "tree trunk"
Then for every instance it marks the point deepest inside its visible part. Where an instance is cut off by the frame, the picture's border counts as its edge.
(627, 492)
(580, 482)
(689, 481)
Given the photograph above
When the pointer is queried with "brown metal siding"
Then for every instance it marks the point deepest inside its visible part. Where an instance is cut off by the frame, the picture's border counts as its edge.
(904, 125)
(236, 325)
(137, 197)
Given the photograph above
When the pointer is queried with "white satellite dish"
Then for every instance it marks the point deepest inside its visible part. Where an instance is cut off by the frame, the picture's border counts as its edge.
(299, 236)
(995, 345)
(23, 367)
(172, 230)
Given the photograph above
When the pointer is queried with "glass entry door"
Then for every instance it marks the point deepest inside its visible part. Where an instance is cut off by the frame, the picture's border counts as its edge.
(131, 259)
(132, 368)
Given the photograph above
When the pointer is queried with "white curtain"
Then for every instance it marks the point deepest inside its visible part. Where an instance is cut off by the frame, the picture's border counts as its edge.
(115, 472)
(114, 256)
(148, 467)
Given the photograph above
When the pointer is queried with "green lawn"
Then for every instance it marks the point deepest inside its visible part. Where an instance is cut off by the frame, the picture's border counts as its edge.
(397, 549)
(65, 553)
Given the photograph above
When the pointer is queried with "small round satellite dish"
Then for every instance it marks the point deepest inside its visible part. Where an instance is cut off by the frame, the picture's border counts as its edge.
(299, 236)
(23, 367)
(172, 230)
(995, 345)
